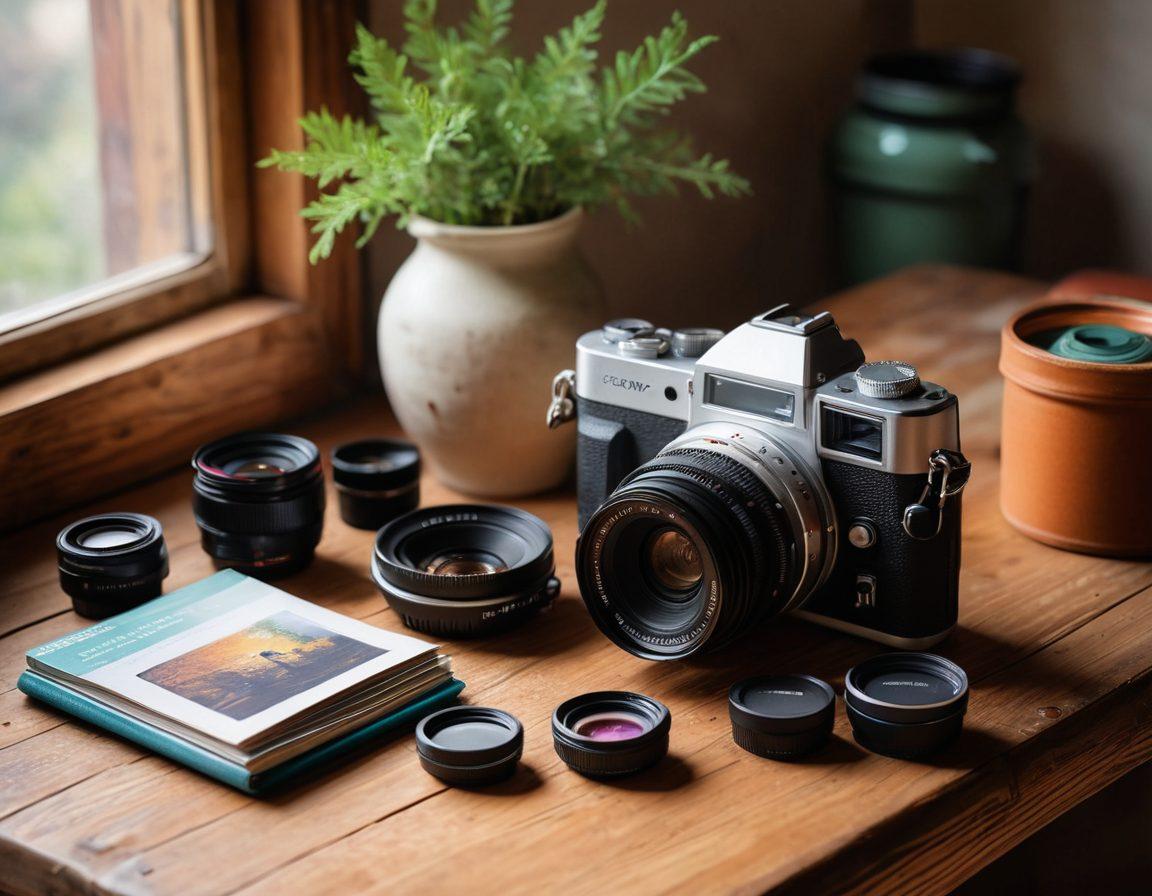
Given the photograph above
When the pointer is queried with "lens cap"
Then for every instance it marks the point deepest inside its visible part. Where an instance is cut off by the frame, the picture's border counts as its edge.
(611, 733)
(906, 704)
(111, 562)
(470, 745)
(465, 570)
(782, 716)
(377, 480)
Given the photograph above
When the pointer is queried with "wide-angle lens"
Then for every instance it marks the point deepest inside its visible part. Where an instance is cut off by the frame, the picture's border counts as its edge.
(259, 502)
(465, 570)
(686, 554)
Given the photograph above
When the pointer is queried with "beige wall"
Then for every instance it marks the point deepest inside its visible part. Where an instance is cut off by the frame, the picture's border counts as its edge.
(1088, 96)
(780, 75)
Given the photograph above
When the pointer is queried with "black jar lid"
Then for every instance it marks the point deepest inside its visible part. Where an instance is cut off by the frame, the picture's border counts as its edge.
(375, 465)
(611, 733)
(962, 83)
(781, 716)
(470, 745)
(906, 704)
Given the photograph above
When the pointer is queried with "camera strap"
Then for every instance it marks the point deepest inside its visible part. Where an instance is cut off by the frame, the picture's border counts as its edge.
(948, 473)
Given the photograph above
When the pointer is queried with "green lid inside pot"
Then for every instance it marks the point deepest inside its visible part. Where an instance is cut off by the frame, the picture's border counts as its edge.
(1102, 344)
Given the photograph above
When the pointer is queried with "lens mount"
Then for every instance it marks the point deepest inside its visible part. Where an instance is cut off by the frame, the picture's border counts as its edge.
(465, 570)
(760, 531)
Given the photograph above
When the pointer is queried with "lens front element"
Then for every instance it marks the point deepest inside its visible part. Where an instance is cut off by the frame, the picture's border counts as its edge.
(673, 560)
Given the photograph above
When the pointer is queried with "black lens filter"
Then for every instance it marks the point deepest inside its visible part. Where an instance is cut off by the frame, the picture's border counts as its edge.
(465, 570)
(782, 716)
(906, 704)
(376, 480)
(470, 745)
(111, 562)
(611, 733)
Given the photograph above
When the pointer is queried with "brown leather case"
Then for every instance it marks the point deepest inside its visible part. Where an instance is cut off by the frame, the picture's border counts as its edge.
(1076, 452)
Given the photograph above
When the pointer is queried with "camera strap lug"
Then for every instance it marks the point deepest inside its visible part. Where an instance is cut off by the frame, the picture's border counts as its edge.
(948, 473)
(562, 408)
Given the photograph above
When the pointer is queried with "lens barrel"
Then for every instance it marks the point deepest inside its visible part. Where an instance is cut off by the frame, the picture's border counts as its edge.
(259, 502)
(111, 562)
(376, 481)
(653, 596)
(465, 570)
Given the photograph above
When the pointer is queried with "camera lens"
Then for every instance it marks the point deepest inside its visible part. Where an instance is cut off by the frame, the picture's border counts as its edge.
(259, 502)
(697, 545)
(111, 562)
(465, 570)
(376, 480)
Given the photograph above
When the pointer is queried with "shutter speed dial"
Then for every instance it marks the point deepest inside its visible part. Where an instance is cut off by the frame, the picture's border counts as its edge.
(887, 379)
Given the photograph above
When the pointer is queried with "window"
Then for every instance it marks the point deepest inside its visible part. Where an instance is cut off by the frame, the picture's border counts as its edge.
(154, 286)
(94, 185)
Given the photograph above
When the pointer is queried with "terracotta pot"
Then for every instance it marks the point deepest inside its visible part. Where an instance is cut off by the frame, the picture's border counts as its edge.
(473, 327)
(1076, 434)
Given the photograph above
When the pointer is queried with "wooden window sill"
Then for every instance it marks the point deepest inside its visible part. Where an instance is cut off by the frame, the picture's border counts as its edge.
(143, 404)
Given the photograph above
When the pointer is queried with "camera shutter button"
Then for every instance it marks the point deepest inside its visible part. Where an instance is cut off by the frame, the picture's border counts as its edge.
(887, 379)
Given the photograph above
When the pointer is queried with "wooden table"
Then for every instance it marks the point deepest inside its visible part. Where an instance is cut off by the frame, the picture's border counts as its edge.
(1058, 647)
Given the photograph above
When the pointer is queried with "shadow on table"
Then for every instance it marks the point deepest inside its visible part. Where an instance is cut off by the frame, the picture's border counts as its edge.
(669, 773)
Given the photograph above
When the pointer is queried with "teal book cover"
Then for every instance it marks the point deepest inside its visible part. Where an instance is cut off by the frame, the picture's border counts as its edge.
(239, 679)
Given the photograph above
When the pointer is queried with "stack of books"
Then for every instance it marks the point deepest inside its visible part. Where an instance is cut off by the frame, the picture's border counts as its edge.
(241, 681)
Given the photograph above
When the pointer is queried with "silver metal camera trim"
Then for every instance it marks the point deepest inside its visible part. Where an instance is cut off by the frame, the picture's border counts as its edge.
(814, 520)
(913, 426)
(606, 376)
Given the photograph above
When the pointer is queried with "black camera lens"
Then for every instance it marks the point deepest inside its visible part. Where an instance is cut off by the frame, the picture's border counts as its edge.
(906, 705)
(687, 553)
(465, 570)
(259, 502)
(377, 480)
(111, 562)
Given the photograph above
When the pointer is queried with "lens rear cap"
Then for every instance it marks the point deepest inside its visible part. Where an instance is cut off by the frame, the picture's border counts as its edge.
(781, 716)
(906, 704)
(470, 745)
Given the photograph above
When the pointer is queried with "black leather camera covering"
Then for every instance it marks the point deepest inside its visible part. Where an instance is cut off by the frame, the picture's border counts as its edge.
(612, 442)
(917, 582)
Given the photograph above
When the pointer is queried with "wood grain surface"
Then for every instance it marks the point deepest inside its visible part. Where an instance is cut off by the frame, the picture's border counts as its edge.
(1058, 647)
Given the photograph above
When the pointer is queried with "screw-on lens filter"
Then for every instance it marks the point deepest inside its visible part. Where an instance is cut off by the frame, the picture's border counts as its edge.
(611, 733)
(470, 745)
(782, 716)
(906, 704)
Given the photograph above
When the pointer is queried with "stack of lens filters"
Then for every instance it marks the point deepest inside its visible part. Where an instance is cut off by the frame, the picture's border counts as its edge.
(259, 502)
(465, 570)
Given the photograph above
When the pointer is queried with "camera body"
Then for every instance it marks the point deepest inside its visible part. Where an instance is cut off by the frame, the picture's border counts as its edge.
(852, 455)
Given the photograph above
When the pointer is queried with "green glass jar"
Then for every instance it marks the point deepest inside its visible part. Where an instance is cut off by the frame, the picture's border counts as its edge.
(930, 165)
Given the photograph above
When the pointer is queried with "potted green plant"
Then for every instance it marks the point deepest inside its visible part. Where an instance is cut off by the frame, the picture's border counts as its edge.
(490, 161)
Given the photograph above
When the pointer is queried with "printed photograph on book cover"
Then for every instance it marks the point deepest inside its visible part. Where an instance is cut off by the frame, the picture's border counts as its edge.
(261, 665)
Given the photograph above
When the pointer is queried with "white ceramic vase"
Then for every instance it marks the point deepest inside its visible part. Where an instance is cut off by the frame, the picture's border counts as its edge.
(473, 328)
